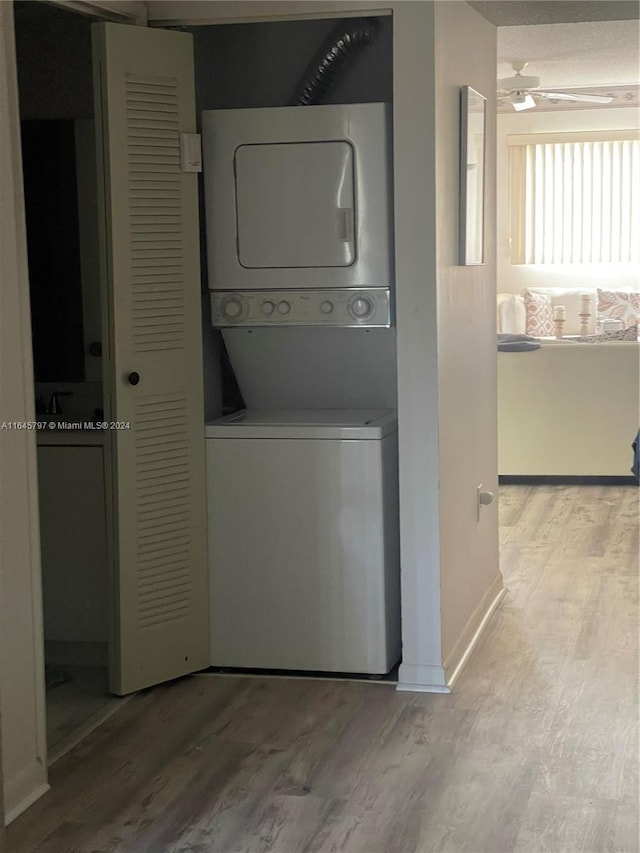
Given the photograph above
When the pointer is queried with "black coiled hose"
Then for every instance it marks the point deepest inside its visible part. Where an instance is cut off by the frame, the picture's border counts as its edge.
(324, 69)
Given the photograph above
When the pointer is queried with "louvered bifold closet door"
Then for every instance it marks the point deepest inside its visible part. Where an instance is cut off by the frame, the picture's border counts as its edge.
(145, 100)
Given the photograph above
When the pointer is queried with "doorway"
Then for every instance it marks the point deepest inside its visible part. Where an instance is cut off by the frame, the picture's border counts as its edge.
(53, 49)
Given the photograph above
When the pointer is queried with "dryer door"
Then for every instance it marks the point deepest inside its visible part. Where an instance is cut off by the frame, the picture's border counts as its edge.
(295, 205)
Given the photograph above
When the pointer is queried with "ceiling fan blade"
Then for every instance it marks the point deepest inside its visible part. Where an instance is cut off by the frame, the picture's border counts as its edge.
(509, 84)
(524, 103)
(567, 96)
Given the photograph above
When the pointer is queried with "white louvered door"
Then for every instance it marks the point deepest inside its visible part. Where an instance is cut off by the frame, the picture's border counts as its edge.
(153, 357)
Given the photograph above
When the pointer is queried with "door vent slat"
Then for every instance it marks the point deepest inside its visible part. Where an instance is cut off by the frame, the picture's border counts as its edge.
(164, 584)
(159, 448)
(155, 560)
(162, 604)
(162, 513)
(148, 313)
(155, 204)
(151, 445)
(160, 430)
(168, 566)
(179, 615)
(161, 551)
(152, 347)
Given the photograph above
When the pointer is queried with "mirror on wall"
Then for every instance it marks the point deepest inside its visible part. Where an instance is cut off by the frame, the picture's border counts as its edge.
(59, 168)
(472, 147)
(51, 207)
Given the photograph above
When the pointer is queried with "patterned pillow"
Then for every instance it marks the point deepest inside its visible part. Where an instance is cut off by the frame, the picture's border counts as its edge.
(619, 305)
(628, 334)
(539, 314)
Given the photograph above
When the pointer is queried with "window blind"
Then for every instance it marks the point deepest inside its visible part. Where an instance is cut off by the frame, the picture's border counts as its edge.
(577, 202)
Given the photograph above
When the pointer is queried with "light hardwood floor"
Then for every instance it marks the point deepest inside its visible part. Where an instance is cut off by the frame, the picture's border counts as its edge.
(536, 750)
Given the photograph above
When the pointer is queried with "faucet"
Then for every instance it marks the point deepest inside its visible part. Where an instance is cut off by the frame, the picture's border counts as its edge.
(54, 407)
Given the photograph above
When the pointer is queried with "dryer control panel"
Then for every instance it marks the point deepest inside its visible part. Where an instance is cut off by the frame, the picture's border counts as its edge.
(353, 307)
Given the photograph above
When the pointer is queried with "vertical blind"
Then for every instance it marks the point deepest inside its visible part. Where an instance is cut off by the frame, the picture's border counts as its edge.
(579, 202)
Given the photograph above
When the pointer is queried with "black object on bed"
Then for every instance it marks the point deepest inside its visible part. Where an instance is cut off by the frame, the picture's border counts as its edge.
(517, 343)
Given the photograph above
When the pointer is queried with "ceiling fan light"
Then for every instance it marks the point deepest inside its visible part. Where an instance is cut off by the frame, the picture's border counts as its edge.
(522, 101)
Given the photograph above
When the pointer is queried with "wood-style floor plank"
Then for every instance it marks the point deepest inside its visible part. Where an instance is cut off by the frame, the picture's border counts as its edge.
(536, 750)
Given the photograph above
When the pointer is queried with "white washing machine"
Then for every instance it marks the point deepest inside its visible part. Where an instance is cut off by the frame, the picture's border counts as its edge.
(303, 540)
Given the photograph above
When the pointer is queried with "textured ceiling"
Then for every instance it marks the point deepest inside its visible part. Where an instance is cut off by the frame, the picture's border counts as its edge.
(510, 13)
(604, 53)
(570, 45)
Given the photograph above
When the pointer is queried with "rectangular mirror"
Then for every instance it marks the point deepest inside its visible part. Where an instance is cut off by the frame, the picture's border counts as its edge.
(60, 191)
(472, 133)
(55, 281)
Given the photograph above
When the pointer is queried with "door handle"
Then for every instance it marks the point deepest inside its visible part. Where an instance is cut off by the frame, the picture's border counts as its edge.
(133, 378)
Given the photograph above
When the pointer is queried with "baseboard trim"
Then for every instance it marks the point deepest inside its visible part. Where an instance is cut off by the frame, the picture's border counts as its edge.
(567, 480)
(475, 627)
(407, 687)
(422, 678)
(15, 811)
(418, 678)
(86, 728)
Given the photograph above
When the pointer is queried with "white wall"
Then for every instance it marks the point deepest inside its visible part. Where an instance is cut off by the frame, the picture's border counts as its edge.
(21, 665)
(470, 579)
(513, 278)
(417, 352)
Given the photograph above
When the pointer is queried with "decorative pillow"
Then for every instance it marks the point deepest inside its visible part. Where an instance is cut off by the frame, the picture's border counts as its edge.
(539, 314)
(619, 305)
(572, 299)
(629, 334)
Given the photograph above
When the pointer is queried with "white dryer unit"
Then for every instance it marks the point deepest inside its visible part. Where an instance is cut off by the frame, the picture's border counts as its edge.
(298, 197)
(303, 540)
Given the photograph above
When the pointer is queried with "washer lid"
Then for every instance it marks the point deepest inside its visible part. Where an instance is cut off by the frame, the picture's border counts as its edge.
(305, 423)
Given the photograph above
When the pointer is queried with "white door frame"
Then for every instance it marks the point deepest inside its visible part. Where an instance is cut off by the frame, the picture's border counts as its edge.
(23, 761)
(121, 11)
(23, 728)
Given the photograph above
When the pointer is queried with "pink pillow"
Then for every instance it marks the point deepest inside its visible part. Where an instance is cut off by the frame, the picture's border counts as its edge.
(539, 314)
(619, 305)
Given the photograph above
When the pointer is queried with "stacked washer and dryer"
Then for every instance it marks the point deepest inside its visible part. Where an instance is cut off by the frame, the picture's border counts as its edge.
(303, 483)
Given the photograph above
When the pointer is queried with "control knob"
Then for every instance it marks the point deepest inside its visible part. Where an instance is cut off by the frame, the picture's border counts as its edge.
(234, 308)
(361, 307)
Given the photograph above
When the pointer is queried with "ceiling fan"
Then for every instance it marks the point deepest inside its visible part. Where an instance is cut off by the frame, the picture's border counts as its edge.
(522, 92)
